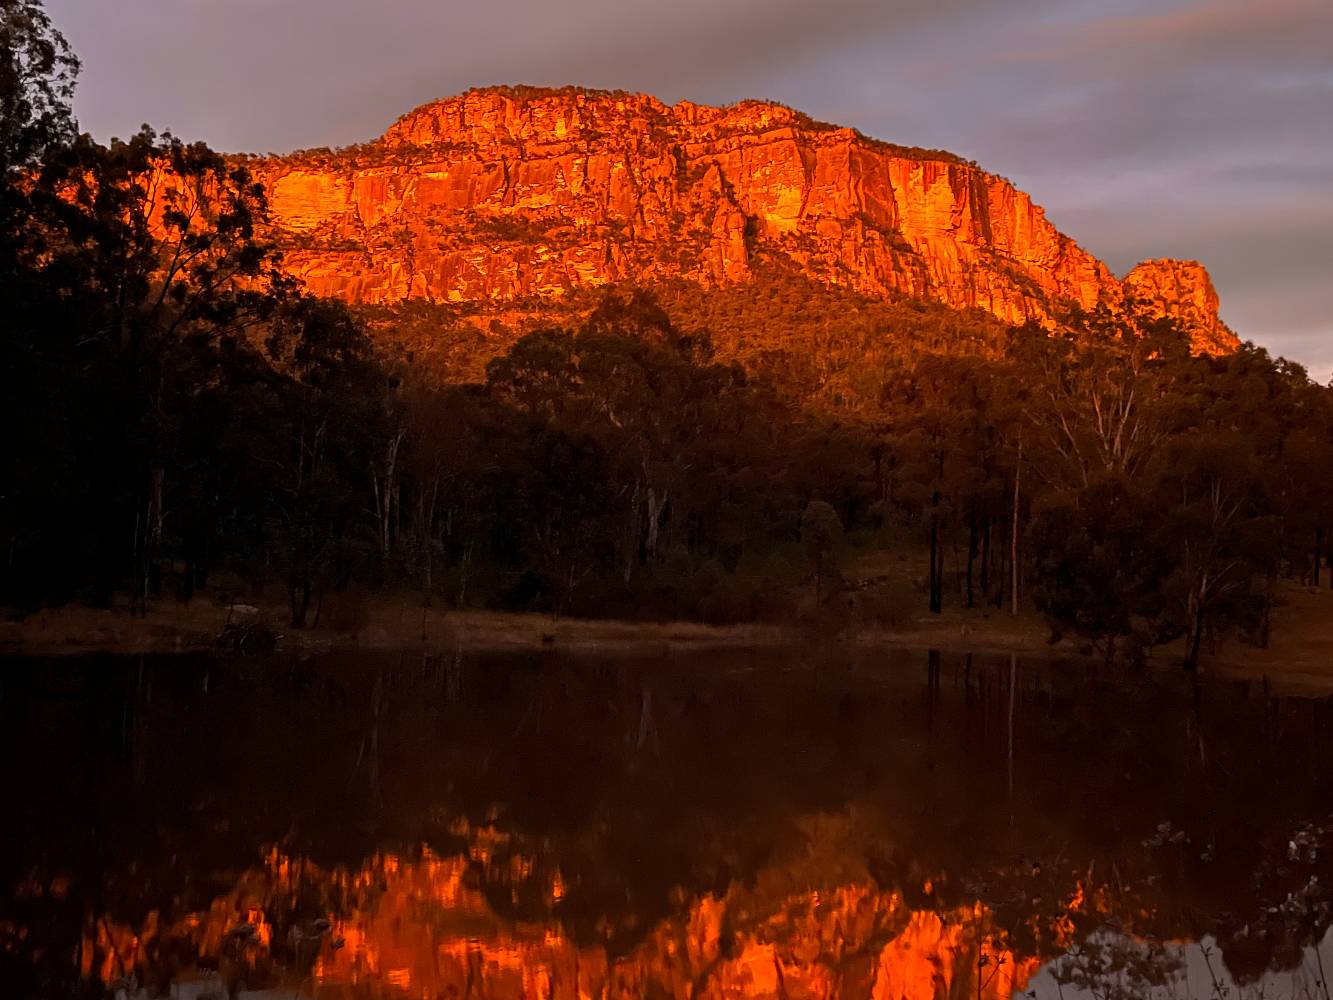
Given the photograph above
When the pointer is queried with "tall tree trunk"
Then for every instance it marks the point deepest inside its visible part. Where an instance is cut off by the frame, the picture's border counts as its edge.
(655, 511)
(148, 537)
(1013, 542)
(971, 551)
(985, 560)
(1266, 623)
(139, 593)
(387, 492)
(430, 565)
(300, 588)
(428, 508)
(934, 564)
(633, 532)
(941, 549)
(464, 571)
(1196, 640)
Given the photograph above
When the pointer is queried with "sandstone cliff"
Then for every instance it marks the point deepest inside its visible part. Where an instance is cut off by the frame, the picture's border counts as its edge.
(504, 194)
(1182, 289)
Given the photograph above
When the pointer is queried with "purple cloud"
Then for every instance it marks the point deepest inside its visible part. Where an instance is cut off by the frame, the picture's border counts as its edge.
(1199, 129)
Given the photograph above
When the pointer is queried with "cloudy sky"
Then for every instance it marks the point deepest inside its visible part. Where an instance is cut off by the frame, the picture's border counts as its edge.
(1148, 128)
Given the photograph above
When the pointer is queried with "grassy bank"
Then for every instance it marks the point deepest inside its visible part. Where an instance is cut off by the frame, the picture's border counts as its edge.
(1299, 657)
(383, 623)
(395, 622)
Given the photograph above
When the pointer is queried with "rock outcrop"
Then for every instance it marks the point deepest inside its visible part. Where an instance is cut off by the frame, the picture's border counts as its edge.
(1182, 289)
(511, 193)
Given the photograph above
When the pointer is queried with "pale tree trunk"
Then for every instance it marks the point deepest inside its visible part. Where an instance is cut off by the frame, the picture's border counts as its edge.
(1318, 556)
(632, 533)
(1195, 613)
(464, 568)
(1013, 540)
(386, 492)
(148, 538)
(655, 511)
(971, 551)
(427, 520)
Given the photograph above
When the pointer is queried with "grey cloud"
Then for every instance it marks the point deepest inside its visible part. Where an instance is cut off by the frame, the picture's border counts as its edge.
(1271, 259)
(1197, 128)
(1239, 33)
(260, 71)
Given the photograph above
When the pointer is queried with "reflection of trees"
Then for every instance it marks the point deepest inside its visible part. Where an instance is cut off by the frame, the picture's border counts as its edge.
(1110, 966)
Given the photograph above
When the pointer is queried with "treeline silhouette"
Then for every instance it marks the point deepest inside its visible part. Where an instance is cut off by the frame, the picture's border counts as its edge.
(183, 416)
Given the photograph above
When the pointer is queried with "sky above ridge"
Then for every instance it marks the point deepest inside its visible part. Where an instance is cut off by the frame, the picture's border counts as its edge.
(1176, 128)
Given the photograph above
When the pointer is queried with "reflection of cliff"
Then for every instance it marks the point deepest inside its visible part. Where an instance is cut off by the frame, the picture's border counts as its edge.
(503, 917)
(853, 941)
(426, 928)
(502, 194)
(431, 927)
(757, 842)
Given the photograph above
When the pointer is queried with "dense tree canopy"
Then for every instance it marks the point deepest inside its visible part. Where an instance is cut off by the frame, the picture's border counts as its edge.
(186, 418)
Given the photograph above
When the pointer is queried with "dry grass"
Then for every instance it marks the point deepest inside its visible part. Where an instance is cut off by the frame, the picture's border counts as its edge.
(383, 623)
(1300, 656)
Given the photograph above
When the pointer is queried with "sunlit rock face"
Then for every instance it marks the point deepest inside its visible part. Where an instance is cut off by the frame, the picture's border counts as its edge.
(502, 194)
(1182, 288)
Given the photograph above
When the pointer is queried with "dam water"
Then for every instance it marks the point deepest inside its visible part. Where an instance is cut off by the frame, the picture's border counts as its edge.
(818, 822)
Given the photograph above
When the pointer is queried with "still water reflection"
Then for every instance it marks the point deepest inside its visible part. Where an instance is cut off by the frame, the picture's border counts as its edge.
(799, 824)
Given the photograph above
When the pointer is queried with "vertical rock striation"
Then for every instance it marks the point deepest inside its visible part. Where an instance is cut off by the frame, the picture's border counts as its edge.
(510, 193)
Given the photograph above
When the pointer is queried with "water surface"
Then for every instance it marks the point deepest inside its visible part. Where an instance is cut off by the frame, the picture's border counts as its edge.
(808, 823)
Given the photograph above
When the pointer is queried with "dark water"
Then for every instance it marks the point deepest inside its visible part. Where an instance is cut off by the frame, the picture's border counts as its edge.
(807, 823)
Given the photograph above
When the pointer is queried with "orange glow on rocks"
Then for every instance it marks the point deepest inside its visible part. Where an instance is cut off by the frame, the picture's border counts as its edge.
(504, 194)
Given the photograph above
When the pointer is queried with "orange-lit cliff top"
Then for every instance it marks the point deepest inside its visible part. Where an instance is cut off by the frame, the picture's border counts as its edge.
(510, 193)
